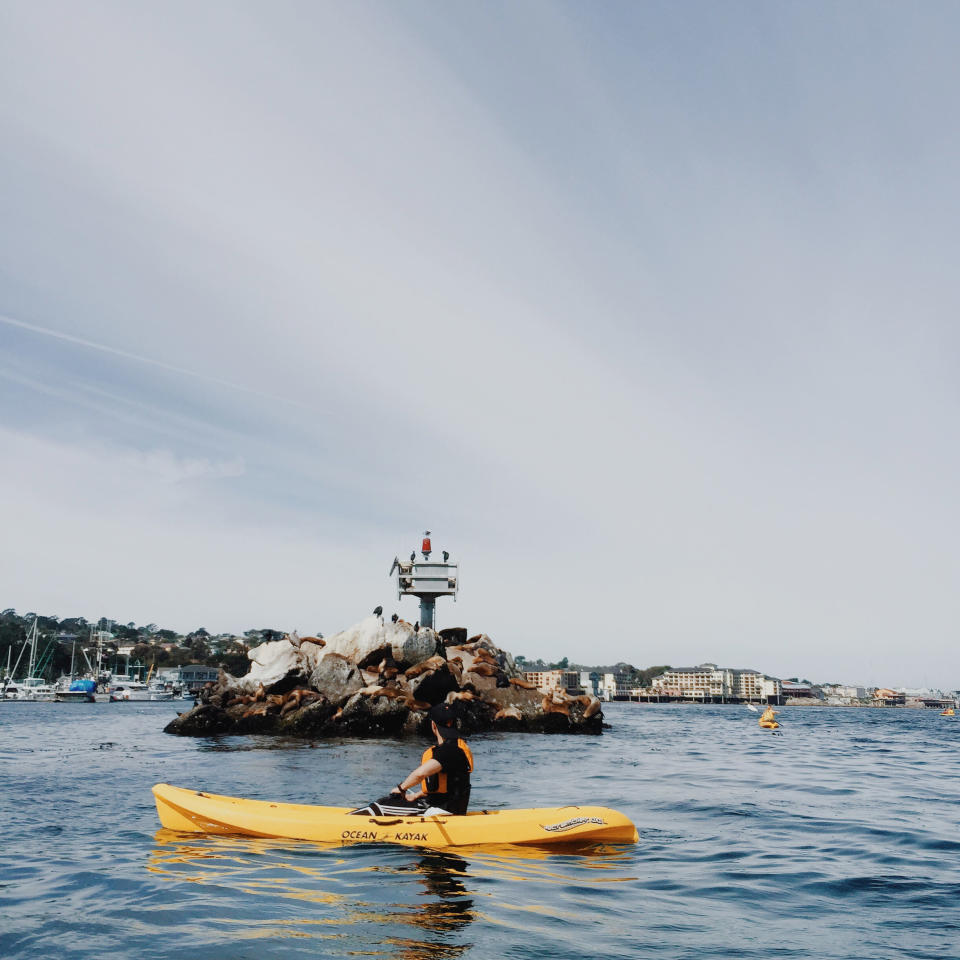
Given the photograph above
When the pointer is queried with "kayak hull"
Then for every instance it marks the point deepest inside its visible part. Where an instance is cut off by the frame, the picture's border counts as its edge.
(768, 724)
(190, 811)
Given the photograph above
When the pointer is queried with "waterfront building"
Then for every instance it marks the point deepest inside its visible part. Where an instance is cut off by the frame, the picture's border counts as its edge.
(885, 697)
(842, 691)
(590, 683)
(190, 676)
(545, 680)
(708, 681)
(555, 680)
(615, 686)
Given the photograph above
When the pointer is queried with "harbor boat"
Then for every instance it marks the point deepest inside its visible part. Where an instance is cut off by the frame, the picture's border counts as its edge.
(34, 688)
(123, 689)
(191, 811)
(30, 687)
(79, 690)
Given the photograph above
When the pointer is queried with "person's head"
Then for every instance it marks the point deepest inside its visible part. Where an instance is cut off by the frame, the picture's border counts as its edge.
(443, 721)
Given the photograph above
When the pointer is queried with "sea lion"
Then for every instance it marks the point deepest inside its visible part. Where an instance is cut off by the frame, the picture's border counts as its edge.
(415, 704)
(592, 708)
(460, 695)
(455, 666)
(275, 700)
(549, 705)
(511, 713)
(431, 663)
(319, 641)
(483, 669)
(523, 684)
(260, 693)
(257, 710)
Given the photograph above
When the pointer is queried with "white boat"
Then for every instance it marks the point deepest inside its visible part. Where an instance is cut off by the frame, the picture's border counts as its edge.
(123, 689)
(30, 687)
(34, 688)
(75, 690)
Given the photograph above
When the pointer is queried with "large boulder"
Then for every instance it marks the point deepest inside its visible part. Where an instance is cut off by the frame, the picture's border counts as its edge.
(269, 663)
(312, 720)
(356, 643)
(204, 720)
(372, 715)
(336, 677)
(410, 648)
(432, 686)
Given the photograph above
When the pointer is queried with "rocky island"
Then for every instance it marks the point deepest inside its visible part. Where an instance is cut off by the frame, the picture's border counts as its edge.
(379, 679)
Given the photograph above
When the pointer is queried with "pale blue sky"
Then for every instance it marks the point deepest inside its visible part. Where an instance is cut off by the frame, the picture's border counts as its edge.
(646, 309)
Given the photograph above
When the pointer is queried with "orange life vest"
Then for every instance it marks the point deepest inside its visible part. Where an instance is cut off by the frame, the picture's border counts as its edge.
(437, 782)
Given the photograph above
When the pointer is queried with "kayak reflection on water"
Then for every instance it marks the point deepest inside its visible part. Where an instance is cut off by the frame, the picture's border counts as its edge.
(318, 874)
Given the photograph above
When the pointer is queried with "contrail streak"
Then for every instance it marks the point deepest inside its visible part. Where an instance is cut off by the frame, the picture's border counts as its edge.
(137, 358)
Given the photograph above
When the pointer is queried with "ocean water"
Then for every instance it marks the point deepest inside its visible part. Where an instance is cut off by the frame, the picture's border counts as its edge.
(839, 838)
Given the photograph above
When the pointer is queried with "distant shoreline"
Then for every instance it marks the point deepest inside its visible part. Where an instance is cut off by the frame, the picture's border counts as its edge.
(794, 702)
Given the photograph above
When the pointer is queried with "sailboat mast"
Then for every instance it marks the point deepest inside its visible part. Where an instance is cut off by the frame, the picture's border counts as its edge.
(33, 647)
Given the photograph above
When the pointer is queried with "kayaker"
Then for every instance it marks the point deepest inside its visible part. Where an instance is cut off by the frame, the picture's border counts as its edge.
(444, 771)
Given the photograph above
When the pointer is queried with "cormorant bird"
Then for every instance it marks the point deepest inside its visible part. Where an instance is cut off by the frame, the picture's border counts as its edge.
(378, 611)
(446, 556)
(413, 556)
(394, 618)
(416, 627)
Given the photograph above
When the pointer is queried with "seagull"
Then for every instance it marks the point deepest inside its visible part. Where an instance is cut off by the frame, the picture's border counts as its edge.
(394, 618)
(378, 611)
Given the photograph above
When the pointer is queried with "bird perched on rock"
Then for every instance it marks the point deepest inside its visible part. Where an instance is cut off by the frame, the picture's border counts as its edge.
(394, 618)
(416, 627)
(378, 611)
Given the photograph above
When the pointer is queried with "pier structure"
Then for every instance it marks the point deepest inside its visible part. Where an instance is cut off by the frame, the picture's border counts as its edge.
(426, 579)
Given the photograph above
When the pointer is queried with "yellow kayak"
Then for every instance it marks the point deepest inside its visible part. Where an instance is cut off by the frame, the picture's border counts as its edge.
(190, 811)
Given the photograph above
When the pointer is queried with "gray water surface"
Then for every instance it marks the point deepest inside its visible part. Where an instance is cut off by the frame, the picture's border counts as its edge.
(838, 839)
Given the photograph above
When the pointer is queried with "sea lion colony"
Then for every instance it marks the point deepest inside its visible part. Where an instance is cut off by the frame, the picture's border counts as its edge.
(377, 679)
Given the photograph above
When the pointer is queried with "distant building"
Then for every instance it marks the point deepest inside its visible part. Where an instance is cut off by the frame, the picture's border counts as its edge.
(796, 688)
(191, 676)
(590, 683)
(545, 680)
(707, 681)
(554, 680)
(884, 697)
(615, 686)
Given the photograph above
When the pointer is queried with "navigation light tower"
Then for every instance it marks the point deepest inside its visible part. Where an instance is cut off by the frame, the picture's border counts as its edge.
(426, 579)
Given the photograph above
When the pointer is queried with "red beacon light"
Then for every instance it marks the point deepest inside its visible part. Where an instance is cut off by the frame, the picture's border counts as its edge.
(425, 547)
